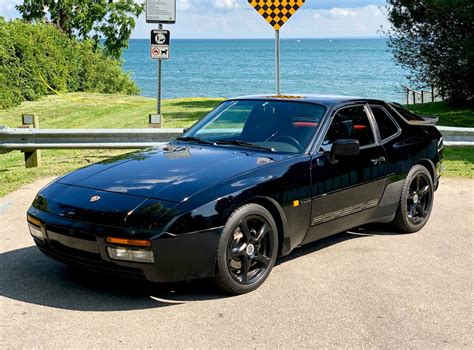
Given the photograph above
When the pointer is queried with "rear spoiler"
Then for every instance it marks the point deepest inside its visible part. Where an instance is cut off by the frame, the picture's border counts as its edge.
(427, 120)
(412, 118)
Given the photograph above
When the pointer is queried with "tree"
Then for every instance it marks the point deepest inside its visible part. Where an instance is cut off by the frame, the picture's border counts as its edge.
(110, 20)
(434, 41)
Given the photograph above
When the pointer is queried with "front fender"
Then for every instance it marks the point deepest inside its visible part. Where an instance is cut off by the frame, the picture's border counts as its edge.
(284, 188)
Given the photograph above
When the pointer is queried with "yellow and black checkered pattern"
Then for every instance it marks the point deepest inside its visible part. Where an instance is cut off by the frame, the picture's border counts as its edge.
(276, 12)
(290, 97)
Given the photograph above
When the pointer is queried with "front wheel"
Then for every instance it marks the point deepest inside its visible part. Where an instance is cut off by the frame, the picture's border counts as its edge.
(247, 249)
(416, 200)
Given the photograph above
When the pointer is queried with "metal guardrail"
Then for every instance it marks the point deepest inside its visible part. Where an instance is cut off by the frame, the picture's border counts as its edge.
(28, 140)
(454, 136)
(25, 139)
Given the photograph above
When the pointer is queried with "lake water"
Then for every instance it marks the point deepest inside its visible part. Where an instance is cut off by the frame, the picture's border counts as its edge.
(226, 68)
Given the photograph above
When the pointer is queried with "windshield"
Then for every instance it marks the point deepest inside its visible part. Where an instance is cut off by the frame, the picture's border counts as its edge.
(278, 126)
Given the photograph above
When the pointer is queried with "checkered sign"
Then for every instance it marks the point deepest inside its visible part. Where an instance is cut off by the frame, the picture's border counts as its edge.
(276, 12)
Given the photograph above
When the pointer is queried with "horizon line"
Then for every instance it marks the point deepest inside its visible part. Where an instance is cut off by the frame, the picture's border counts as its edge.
(287, 38)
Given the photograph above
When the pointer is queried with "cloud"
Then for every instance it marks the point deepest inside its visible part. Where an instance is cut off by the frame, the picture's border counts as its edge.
(183, 5)
(224, 21)
(335, 12)
(227, 4)
(236, 19)
(341, 12)
(8, 10)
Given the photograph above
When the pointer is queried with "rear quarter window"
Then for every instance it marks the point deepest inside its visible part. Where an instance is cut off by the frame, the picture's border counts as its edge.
(406, 114)
(385, 123)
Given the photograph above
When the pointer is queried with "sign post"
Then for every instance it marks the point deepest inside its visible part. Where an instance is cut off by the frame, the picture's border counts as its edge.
(160, 50)
(276, 13)
(158, 89)
(159, 11)
(277, 61)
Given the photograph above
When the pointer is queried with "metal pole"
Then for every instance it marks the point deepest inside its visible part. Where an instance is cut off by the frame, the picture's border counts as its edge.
(277, 61)
(158, 100)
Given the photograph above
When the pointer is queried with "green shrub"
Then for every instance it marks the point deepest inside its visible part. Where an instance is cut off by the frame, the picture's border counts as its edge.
(38, 59)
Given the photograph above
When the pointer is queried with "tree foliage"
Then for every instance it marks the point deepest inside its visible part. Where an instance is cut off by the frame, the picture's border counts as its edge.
(108, 20)
(434, 40)
(39, 59)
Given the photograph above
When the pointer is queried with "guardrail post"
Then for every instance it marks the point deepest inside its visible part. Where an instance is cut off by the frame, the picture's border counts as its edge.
(32, 158)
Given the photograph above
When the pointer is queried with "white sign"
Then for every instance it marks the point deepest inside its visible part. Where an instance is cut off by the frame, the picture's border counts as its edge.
(160, 52)
(161, 11)
(160, 44)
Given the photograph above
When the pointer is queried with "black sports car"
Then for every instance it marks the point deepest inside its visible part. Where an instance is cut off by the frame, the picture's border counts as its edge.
(256, 178)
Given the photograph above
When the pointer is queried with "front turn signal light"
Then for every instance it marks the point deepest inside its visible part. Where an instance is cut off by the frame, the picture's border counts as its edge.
(129, 242)
(34, 225)
(33, 220)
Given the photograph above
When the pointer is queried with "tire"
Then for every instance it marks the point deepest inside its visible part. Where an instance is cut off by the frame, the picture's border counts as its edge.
(416, 200)
(247, 250)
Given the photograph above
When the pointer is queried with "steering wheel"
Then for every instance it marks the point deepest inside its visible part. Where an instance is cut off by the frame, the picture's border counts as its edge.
(292, 140)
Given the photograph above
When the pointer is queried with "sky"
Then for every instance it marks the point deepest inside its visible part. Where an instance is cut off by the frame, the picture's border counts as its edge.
(233, 19)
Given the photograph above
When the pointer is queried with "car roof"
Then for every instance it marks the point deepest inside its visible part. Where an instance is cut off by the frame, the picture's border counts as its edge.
(327, 100)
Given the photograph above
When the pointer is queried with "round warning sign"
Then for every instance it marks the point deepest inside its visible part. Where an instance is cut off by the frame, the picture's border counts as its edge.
(160, 39)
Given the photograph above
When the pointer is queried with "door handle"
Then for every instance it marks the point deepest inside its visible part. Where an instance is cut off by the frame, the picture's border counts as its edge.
(376, 161)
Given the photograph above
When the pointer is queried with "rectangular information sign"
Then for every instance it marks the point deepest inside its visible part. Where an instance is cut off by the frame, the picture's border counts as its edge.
(161, 11)
(160, 44)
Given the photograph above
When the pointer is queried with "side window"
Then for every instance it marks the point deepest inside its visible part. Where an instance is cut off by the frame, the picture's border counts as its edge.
(350, 123)
(385, 123)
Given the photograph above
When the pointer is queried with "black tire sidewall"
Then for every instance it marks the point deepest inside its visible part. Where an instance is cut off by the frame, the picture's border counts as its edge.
(223, 275)
(401, 219)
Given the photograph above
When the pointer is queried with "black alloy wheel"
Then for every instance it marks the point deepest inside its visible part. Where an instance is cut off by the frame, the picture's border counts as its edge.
(247, 250)
(419, 199)
(416, 200)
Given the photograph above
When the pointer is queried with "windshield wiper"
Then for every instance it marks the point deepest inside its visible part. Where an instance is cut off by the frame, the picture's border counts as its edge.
(194, 139)
(244, 144)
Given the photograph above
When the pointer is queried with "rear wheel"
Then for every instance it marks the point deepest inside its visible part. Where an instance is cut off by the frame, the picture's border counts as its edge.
(416, 200)
(247, 249)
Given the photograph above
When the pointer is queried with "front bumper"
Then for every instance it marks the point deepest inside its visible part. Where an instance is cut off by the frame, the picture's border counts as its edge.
(176, 257)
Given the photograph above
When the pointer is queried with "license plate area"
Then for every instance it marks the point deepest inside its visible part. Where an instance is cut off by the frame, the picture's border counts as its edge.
(57, 240)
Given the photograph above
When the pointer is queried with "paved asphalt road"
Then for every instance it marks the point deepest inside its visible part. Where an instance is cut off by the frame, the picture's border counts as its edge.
(372, 290)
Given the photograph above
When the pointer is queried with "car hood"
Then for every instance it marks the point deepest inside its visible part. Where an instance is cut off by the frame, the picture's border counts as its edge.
(91, 206)
(171, 173)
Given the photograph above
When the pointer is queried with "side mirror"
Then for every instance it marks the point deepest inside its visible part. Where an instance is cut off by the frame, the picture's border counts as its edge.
(344, 147)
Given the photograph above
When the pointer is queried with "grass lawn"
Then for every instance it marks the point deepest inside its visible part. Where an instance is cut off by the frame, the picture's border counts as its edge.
(80, 110)
(458, 162)
(448, 116)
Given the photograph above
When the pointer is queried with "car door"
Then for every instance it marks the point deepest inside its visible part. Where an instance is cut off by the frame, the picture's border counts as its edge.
(346, 190)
